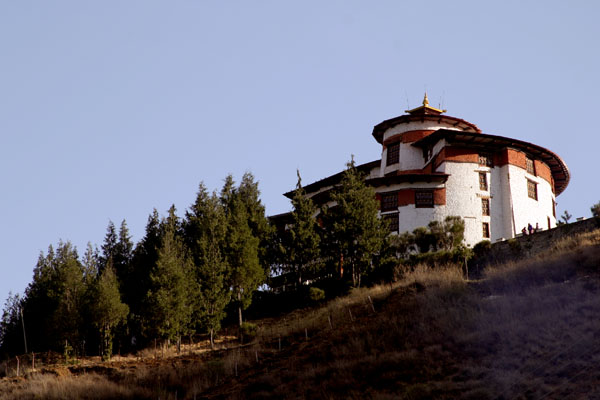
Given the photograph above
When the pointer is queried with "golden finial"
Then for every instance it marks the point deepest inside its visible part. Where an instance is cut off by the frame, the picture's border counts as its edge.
(426, 108)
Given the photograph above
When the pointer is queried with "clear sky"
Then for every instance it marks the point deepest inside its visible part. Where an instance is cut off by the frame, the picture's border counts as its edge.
(109, 109)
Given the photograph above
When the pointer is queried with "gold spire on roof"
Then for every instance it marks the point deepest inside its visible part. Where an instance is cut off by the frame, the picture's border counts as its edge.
(425, 108)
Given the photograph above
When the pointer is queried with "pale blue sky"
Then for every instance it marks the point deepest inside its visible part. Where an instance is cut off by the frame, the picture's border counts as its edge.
(111, 108)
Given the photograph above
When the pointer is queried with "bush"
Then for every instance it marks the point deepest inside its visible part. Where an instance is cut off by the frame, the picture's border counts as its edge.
(514, 245)
(482, 248)
(596, 209)
(248, 331)
(316, 295)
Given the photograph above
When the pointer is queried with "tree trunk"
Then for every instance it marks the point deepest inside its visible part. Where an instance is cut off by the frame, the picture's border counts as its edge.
(239, 297)
(212, 338)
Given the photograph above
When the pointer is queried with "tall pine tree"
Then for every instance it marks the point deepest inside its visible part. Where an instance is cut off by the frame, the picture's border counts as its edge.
(107, 310)
(354, 232)
(302, 251)
(259, 224)
(143, 262)
(172, 292)
(109, 246)
(205, 232)
(241, 249)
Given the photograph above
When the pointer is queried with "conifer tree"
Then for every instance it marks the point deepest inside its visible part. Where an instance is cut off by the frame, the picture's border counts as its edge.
(122, 257)
(70, 296)
(90, 264)
(302, 250)
(12, 339)
(355, 233)
(107, 310)
(241, 249)
(143, 262)
(172, 292)
(205, 228)
(53, 300)
(109, 247)
(250, 195)
(39, 304)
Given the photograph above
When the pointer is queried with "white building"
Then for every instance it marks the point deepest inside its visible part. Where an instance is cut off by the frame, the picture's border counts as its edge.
(433, 165)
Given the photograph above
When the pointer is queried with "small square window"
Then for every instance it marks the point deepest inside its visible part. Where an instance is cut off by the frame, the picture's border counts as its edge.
(393, 153)
(424, 198)
(392, 221)
(483, 184)
(485, 207)
(485, 160)
(532, 189)
(530, 166)
(486, 230)
(389, 201)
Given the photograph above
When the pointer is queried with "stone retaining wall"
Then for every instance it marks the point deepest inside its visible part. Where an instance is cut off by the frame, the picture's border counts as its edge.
(530, 245)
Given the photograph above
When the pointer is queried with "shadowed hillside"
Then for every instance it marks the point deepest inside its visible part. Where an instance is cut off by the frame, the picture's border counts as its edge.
(527, 330)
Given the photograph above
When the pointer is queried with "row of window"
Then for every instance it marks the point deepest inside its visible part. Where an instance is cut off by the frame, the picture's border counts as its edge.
(485, 160)
(423, 199)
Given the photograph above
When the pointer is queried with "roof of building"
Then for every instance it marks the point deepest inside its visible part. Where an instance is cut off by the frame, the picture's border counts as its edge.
(333, 179)
(380, 128)
(560, 171)
(425, 109)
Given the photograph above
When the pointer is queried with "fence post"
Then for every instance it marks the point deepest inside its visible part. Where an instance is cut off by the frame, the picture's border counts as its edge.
(371, 302)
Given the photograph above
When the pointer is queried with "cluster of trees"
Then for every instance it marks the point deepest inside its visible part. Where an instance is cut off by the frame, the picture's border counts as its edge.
(187, 274)
(343, 240)
(348, 239)
(178, 280)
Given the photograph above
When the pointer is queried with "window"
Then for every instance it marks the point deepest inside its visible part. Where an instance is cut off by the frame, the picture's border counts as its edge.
(483, 185)
(485, 207)
(389, 201)
(424, 198)
(392, 221)
(532, 189)
(553, 208)
(486, 230)
(393, 153)
(485, 160)
(530, 166)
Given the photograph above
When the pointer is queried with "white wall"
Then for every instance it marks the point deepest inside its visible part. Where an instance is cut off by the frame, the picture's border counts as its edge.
(527, 210)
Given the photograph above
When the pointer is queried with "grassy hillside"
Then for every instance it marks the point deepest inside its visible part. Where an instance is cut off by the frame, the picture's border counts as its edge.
(529, 330)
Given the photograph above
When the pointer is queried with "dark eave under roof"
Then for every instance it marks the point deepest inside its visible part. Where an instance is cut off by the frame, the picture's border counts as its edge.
(334, 179)
(560, 171)
(324, 196)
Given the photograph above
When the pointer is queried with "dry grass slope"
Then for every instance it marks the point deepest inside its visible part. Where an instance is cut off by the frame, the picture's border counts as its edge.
(527, 330)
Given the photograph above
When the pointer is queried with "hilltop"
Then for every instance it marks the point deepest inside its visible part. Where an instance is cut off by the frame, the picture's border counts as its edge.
(526, 329)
